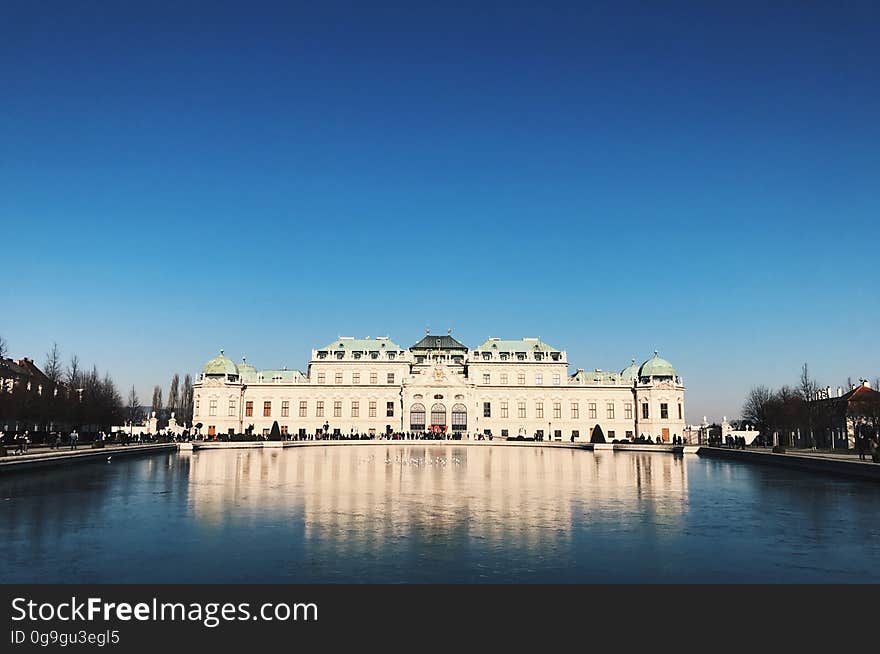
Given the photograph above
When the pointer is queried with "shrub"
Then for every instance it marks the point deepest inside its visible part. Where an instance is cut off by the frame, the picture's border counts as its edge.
(778, 449)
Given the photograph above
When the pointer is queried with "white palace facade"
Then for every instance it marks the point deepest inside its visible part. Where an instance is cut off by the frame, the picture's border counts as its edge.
(501, 388)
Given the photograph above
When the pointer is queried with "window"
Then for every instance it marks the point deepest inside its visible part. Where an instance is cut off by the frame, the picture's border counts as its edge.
(504, 433)
(285, 408)
(575, 410)
(664, 411)
(320, 377)
(521, 409)
(355, 378)
(249, 408)
(389, 409)
(521, 379)
(266, 431)
(355, 409)
(390, 377)
(679, 411)
(319, 409)
(486, 378)
(487, 409)
(557, 380)
(539, 409)
(373, 409)
(645, 411)
(557, 409)
(575, 433)
(267, 409)
(374, 378)
(504, 410)
(337, 409)
(539, 379)
(438, 414)
(504, 378)
(609, 409)
(628, 411)
(196, 412)
(592, 409)
(417, 417)
(303, 408)
(459, 417)
(232, 407)
(212, 408)
(284, 430)
(337, 378)
(611, 434)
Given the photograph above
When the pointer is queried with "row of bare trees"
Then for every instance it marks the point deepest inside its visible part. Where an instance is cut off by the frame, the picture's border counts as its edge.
(179, 402)
(791, 413)
(72, 397)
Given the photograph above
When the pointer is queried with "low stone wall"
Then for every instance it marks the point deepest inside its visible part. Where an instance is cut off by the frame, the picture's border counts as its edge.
(854, 468)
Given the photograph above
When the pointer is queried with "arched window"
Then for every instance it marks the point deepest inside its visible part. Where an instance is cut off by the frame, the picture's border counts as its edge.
(438, 414)
(417, 417)
(459, 417)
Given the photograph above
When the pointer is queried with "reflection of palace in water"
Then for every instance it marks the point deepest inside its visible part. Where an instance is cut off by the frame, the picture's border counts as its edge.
(382, 492)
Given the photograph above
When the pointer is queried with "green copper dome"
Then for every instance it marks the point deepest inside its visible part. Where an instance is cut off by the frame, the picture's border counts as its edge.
(630, 372)
(657, 367)
(220, 365)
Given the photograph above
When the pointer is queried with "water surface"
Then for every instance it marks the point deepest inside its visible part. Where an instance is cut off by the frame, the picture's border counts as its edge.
(435, 513)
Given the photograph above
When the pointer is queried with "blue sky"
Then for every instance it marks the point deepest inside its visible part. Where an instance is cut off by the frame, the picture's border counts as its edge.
(613, 178)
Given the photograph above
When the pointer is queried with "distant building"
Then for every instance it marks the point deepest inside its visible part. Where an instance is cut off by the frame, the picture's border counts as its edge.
(502, 388)
(838, 419)
(24, 393)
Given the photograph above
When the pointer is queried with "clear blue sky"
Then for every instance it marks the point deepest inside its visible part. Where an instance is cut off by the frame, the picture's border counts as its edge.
(613, 178)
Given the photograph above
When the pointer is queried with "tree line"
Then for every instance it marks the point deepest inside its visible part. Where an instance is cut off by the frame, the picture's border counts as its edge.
(792, 414)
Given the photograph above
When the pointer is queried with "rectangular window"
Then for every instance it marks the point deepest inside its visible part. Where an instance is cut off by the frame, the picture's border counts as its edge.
(267, 409)
(212, 408)
(320, 377)
(629, 434)
(504, 433)
(539, 409)
(232, 407)
(355, 409)
(521, 379)
(679, 411)
(521, 409)
(628, 411)
(196, 412)
(374, 378)
(266, 431)
(664, 411)
(337, 409)
(575, 433)
(338, 378)
(319, 409)
(645, 411)
(575, 410)
(611, 434)
(355, 378)
(557, 409)
(284, 430)
(539, 379)
(285, 409)
(390, 377)
(486, 378)
(609, 409)
(303, 408)
(389, 409)
(373, 409)
(487, 409)
(557, 380)
(592, 409)
(504, 410)
(504, 378)
(249, 408)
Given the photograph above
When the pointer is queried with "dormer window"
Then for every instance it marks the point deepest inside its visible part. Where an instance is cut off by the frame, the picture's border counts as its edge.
(505, 356)
(357, 355)
(391, 355)
(487, 356)
(322, 355)
(374, 355)
(521, 356)
(538, 356)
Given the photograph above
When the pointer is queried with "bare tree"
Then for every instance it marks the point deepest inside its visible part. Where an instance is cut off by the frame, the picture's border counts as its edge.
(186, 400)
(134, 407)
(74, 373)
(4, 350)
(157, 401)
(807, 391)
(53, 366)
(755, 407)
(173, 405)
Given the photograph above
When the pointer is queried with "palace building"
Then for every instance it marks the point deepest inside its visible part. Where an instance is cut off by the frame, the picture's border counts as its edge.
(501, 388)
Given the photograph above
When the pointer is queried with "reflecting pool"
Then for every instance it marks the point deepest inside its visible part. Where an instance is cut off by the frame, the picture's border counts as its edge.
(435, 513)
